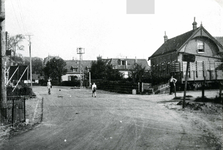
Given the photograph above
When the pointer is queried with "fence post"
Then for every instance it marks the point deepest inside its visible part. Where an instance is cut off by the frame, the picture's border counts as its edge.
(12, 111)
(24, 104)
(42, 111)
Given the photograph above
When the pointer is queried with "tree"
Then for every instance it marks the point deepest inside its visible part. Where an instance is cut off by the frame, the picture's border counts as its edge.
(113, 74)
(54, 69)
(14, 44)
(137, 73)
(37, 64)
(101, 70)
(98, 69)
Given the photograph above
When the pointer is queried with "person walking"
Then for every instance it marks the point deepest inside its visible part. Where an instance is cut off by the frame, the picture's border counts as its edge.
(49, 86)
(94, 87)
(172, 83)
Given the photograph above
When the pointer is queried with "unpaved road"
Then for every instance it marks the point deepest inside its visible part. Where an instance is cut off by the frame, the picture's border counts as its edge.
(73, 120)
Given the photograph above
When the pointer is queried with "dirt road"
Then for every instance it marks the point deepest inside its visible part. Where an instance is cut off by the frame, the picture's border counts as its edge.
(75, 120)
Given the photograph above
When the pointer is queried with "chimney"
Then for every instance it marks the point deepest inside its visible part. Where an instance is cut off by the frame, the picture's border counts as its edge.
(194, 24)
(165, 37)
(99, 57)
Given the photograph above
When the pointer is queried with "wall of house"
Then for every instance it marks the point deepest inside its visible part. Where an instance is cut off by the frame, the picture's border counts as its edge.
(210, 48)
(204, 67)
(67, 77)
(161, 65)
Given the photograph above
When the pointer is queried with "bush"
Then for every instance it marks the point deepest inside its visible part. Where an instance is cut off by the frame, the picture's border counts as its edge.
(116, 86)
(20, 91)
(70, 83)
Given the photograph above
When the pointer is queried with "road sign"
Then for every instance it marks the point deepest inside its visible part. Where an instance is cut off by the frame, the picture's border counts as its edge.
(189, 57)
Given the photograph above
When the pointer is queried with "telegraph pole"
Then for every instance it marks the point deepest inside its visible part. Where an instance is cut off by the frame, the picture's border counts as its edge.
(80, 51)
(30, 61)
(3, 98)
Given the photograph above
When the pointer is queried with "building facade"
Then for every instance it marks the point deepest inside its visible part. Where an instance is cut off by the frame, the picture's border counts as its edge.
(167, 60)
(76, 69)
(126, 65)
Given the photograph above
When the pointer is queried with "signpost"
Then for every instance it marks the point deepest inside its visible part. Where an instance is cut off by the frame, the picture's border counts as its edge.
(188, 58)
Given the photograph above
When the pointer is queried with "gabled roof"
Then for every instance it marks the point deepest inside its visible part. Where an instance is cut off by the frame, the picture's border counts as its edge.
(220, 40)
(174, 44)
(75, 64)
(130, 63)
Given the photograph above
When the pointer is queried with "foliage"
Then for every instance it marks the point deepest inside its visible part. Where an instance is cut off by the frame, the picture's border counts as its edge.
(119, 86)
(13, 43)
(101, 70)
(70, 83)
(55, 68)
(137, 73)
(18, 59)
(21, 89)
(221, 66)
(37, 65)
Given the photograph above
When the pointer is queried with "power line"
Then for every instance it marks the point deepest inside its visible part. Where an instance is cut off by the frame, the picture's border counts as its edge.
(13, 7)
(21, 14)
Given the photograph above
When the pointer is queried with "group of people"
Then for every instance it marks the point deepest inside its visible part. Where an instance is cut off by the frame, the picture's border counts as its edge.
(94, 88)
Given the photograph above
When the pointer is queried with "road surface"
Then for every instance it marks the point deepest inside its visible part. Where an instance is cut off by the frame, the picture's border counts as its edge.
(73, 120)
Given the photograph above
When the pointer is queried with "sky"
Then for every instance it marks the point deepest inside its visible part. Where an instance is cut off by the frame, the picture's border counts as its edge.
(103, 27)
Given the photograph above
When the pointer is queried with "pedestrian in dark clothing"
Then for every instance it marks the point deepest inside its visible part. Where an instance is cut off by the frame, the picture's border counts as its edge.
(172, 83)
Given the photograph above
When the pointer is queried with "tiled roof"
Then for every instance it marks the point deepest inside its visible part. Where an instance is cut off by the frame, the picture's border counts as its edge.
(173, 44)
(75, 64)
(220, 40)
(130, 62)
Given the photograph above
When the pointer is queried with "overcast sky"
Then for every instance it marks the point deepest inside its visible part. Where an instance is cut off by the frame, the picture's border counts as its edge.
(104, 28)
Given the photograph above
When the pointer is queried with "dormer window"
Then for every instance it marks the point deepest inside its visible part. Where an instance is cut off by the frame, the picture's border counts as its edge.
(200, 47)
(73, 69)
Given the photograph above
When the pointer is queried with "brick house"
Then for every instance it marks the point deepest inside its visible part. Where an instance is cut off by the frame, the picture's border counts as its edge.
(167, 59)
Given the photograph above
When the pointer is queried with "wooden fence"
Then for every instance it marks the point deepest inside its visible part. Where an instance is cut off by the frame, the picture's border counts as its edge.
(116, 86)
(14, 111)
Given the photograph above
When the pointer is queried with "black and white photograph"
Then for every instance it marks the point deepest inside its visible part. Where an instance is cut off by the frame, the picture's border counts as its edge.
(111, 75)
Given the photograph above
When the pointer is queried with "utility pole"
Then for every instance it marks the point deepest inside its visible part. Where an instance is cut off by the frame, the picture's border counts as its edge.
(3, 95)
(80, 51)
(30, 60)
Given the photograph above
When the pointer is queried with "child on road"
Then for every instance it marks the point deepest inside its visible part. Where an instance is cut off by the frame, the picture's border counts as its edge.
(94, 87)
(49, 86)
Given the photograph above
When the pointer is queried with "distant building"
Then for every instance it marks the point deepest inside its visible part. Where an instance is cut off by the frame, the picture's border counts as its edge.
(168, 58)
(126, 65)
(75, 69)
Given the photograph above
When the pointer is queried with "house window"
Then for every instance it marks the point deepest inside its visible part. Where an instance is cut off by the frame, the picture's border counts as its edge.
(200, 47)
(123, 62)
(74, 69)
